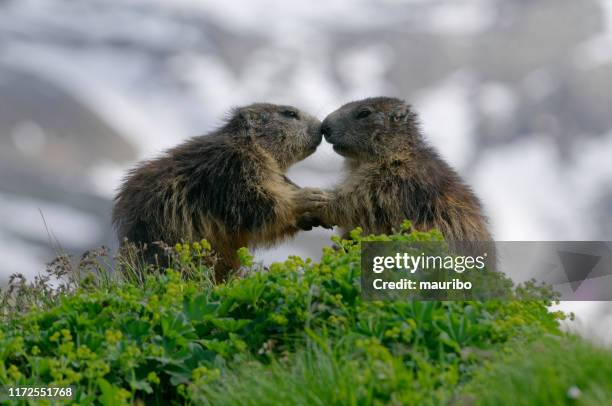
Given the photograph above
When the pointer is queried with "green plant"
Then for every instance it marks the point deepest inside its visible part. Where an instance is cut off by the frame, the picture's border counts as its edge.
(173, 337)
(550, 371)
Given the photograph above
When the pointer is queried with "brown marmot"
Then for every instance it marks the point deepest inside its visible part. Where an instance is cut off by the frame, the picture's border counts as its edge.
(228, 187)
(394, 175)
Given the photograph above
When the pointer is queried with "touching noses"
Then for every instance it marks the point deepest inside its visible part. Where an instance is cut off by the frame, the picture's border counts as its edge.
(326, 131)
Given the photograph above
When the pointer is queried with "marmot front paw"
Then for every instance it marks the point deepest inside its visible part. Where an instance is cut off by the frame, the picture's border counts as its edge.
(312, 200)
(309, 220)
(311, 203)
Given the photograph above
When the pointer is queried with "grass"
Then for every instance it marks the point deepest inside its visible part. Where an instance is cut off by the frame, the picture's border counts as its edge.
(550, 371)
(309, 377)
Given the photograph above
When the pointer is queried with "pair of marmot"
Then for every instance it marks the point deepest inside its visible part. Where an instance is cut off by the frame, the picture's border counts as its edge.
(230, 188)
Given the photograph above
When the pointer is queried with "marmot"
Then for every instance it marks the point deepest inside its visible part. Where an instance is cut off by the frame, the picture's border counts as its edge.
(228, 187)
(394, 175)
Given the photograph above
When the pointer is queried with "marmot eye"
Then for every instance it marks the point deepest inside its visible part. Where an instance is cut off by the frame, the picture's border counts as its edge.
(290, 113)
(363, 113)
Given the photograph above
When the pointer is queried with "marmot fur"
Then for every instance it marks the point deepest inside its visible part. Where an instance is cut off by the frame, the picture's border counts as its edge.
(393, 175)
(228, 187)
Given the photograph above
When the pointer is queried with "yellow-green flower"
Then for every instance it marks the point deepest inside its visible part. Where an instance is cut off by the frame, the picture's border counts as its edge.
(113, 336)
(13, 372)
(153, 378)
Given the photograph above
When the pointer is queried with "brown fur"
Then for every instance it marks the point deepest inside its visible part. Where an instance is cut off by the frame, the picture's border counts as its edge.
(228, 187)
(393, 175)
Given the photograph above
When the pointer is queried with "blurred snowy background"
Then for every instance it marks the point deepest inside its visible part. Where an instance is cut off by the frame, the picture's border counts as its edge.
(517, 95)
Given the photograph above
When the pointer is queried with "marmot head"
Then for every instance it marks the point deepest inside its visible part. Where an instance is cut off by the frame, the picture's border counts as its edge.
(372, 128)
(286, 133)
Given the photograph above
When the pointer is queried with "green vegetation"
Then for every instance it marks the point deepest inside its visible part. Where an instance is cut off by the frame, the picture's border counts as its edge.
(550, 371)
(298, 333)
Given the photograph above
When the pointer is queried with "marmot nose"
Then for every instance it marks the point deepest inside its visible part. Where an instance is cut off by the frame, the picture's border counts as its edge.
(326, 130)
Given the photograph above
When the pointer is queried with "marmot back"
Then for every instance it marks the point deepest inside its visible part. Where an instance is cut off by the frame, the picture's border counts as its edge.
(228, 187)
(394, 175)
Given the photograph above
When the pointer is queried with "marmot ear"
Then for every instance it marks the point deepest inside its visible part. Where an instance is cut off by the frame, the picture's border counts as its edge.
(241, 121)
(245, 119)
(400, 113)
